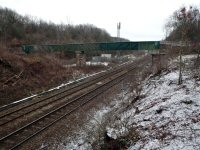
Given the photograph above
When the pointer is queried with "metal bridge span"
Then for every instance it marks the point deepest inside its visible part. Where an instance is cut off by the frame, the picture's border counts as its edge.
(92, 47)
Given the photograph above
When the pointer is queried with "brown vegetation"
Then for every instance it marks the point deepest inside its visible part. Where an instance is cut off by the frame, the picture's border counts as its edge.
(184, 27)
(23, 75)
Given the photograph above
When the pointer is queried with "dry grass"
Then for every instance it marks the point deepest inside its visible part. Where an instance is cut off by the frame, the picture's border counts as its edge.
(23, 75)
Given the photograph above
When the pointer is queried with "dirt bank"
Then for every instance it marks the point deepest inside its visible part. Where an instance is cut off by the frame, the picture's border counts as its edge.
(22, 75)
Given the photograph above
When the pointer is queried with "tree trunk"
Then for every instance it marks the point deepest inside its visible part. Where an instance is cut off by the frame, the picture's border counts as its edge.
(198, 56)
(180, 67)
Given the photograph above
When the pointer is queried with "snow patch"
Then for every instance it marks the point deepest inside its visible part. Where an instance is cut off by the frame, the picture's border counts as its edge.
(93, 124)
(89, 63)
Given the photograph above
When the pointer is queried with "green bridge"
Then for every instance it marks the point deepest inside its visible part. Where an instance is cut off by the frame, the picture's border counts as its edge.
(94, 47)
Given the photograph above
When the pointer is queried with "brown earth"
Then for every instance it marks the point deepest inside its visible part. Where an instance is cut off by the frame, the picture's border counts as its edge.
(22, 75)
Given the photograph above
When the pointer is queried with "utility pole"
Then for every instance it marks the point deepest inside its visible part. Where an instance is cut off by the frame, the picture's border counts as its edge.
(118, 29)
(197, 18)
(118, 35)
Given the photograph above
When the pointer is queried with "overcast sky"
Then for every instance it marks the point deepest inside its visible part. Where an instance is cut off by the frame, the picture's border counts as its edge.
(140, 19)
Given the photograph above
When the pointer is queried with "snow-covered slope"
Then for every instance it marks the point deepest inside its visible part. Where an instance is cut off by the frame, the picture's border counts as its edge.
(166, 116)
(169, 115)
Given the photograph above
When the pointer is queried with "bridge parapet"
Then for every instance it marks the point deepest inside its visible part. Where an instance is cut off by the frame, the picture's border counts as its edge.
(91, 47)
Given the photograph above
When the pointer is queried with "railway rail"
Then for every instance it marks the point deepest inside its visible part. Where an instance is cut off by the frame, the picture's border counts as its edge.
(13, 114)
(21, 123)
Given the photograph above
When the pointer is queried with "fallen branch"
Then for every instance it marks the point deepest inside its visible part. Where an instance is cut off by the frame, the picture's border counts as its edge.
(13, 77)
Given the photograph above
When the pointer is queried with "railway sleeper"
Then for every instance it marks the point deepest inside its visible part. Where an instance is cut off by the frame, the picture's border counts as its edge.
(50, 119)
(58, 113)
(35, 127)
(54, 115)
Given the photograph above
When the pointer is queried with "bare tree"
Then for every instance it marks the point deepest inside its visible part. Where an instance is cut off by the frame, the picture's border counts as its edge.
(28, 29)
(184, 28)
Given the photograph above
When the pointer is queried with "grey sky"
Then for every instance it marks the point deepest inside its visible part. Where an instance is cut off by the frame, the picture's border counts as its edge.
(140, 19)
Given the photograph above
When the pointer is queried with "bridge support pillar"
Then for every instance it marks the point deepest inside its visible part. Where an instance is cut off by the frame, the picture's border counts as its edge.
(80, 58)
(157, 62)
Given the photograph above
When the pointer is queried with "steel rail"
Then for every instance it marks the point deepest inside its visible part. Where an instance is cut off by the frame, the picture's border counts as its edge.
(44, 128)
(45, 116)
(83, 85)
(71, 91)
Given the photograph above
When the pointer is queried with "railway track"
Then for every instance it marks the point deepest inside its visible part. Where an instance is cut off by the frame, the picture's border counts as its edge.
(13, 114)
(25, 121)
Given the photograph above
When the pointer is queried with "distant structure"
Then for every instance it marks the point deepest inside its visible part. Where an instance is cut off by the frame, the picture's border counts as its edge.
(118, 29)
(80, 58)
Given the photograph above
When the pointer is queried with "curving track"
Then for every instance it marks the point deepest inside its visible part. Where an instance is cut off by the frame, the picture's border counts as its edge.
(20, 123)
